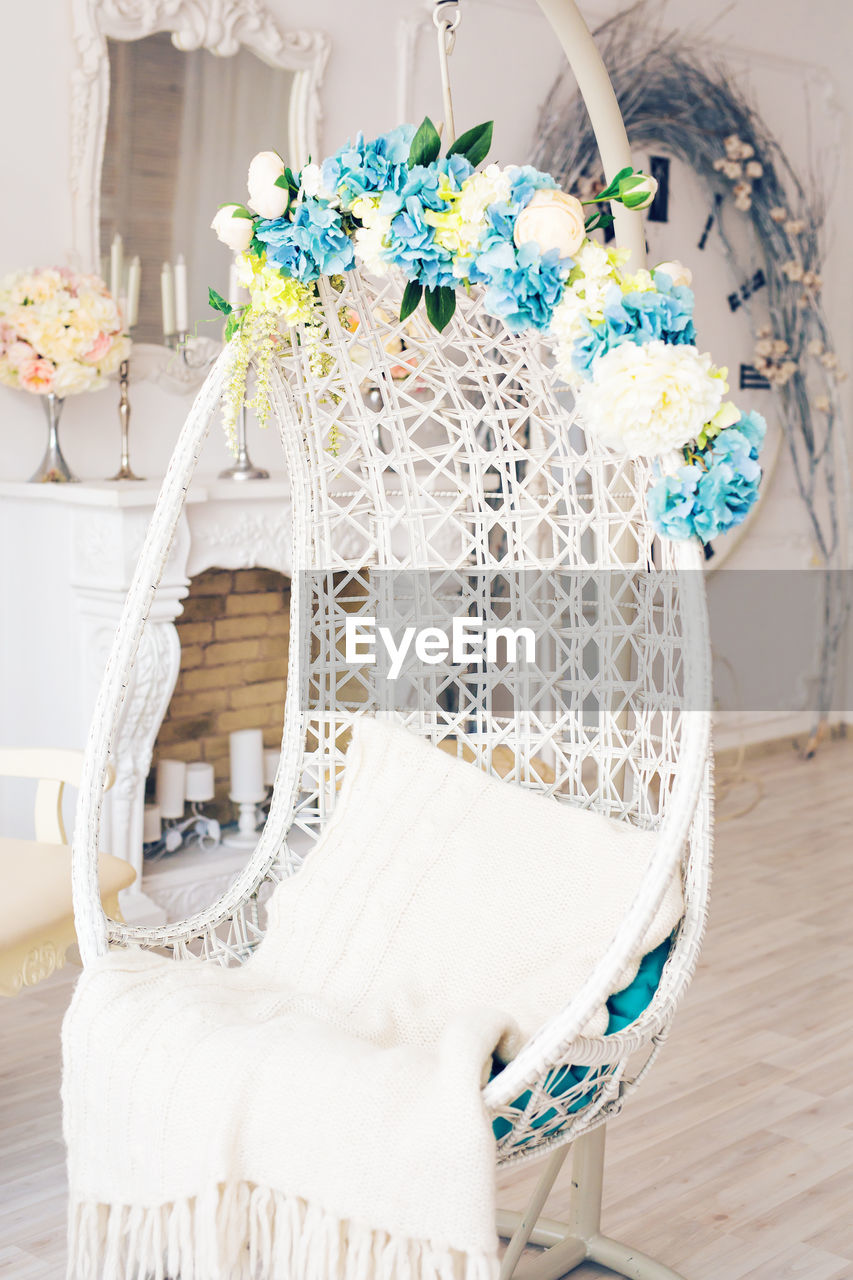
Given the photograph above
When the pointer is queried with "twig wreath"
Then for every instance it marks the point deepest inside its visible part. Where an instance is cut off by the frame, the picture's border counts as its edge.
(673, 95)
(623, 340)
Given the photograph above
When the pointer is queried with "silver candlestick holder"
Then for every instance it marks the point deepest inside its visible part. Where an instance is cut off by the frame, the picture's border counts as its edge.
(197, 354)
(196, 828)
(243, 468)
(125, 471)
(249, 819)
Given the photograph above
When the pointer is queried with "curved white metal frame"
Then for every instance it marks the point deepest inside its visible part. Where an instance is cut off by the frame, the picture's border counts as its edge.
(416, 468)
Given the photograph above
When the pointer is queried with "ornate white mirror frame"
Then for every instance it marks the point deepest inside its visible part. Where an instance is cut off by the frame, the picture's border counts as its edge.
(220, 26)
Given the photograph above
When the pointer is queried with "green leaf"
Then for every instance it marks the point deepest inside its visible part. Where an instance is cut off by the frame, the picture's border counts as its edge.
(218, 303)
(601, 218)
(440, 305)
(281, 181)
(613, 186)
(411, 299)
(232, 324)
(474, 144)
(426, 144)
(241, 212)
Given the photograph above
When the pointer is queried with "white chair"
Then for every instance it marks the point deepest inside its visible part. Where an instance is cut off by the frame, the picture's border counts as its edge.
(435, 494)
(36, 915)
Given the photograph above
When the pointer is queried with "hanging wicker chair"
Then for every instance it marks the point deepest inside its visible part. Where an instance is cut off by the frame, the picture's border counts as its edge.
(446, 490)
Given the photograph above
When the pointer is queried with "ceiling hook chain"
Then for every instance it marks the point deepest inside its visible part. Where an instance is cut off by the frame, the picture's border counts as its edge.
(446, 15)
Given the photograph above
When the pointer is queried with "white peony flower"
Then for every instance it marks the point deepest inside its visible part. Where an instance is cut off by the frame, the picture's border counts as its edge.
(677, 272)
(267, 199)
(552, 220)
(645, 400)
(312, 183)
(490, 186)
(370, 247)
(235, 232)
(370, 237)
(567, 325)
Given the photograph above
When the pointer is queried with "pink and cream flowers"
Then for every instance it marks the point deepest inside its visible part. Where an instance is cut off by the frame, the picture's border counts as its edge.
(59, 332)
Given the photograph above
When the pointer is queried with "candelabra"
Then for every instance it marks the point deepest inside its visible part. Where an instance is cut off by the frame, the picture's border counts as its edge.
(197, 354)
(166, 825)
(243, 468)
(253, 772)
(196, 828)
(125, 471)
(250, 816)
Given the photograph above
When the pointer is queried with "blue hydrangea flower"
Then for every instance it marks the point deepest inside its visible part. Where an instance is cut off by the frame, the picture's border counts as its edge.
(711, 497)
(649, 315)
(314, 244)
(412, 247)
(411, 242)
(360, 167)
(660, 314)
(672, 501)
(523, 285)
(524, 180)
(596, 341)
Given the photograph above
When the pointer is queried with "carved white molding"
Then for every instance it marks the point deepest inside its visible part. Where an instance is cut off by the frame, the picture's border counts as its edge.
(179, 899)
(244, 539)
(222, 26)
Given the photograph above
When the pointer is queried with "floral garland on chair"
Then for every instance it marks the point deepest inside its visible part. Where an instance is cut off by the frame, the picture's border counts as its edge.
(624, 342)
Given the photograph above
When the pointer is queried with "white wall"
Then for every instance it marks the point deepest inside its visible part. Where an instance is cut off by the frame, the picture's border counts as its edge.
(505, 61)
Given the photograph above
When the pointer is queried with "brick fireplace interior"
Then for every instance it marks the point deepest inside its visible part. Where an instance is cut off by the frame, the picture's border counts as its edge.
(234, 636)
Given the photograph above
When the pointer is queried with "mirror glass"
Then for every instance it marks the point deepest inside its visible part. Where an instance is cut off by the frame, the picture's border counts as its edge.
(181, 131)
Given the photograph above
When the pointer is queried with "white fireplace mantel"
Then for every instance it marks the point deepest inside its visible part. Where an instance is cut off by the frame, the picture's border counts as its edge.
(68, 554)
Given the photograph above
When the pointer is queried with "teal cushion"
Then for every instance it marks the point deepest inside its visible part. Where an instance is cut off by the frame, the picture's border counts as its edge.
(623, 1008)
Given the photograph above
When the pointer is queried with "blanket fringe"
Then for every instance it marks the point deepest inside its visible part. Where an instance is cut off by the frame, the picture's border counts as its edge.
(245, 1232)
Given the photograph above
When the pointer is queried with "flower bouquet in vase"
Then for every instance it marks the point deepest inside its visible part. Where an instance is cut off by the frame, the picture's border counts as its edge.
(60, 333)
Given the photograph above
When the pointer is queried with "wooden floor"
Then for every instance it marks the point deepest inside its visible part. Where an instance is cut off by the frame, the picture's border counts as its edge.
(736, 1158)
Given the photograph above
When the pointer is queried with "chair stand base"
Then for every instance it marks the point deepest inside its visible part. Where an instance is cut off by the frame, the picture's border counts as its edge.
(568, 1245)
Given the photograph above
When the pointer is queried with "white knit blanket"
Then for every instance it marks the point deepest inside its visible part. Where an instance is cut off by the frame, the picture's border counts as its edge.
(316, 1114)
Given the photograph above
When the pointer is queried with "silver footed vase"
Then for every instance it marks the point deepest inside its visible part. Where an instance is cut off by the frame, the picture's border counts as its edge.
(53, 469)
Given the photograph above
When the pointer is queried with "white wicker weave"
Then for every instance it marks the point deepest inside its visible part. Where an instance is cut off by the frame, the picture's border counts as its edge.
(418, 497)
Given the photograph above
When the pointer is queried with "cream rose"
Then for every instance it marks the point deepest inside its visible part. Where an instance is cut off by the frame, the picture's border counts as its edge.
(552, 220)
(644, 400)
(235, 232)
(18, 352)
(267, 199)
(677, 272)
(72, 377)
(36, 375)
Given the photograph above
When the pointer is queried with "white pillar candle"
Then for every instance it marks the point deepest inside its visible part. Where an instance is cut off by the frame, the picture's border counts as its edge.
(271, 759)
(167, 297)
(152, 827)
(246, 747)
(171, 787)
(134, 280)
(182, 310)
(116, 266)
(200, 782)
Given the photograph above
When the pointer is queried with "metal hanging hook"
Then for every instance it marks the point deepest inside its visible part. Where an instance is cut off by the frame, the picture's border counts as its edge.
(446, 15)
